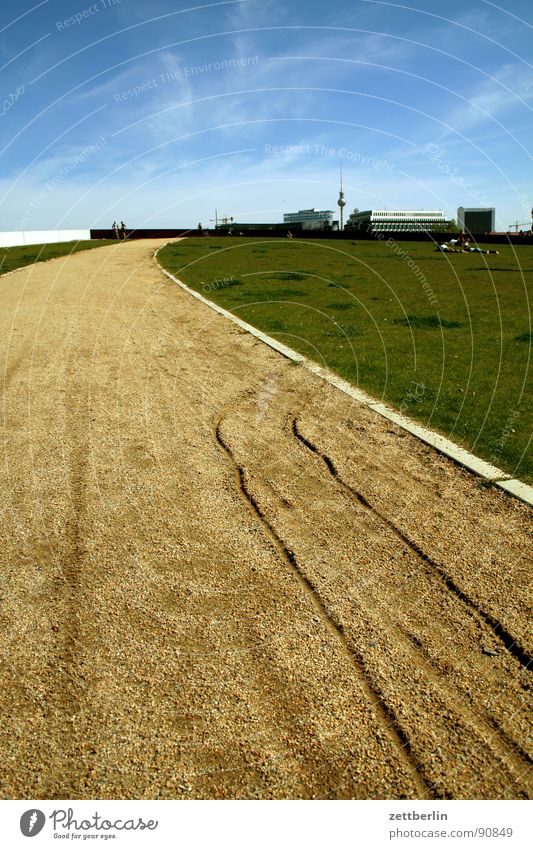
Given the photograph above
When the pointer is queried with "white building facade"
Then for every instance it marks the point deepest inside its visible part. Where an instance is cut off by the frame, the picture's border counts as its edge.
(398, 220)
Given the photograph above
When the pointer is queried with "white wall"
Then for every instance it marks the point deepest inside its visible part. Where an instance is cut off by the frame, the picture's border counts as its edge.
(41, 237)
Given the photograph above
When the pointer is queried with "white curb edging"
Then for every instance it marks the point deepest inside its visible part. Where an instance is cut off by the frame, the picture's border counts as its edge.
(445, 446)
(519, 489)
(459, 455)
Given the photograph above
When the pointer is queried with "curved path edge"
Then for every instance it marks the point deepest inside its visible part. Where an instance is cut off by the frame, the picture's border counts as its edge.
(481, 468)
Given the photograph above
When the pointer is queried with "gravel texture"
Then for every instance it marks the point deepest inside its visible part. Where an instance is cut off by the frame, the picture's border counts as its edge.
(222, 578)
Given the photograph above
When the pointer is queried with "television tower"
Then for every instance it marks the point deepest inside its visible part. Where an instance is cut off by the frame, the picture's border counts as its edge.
(341, 204)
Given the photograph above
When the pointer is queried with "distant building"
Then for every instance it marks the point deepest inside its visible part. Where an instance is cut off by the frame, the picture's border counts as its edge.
(476, 219)
(397, 220)
(234, 228)
(310, 219)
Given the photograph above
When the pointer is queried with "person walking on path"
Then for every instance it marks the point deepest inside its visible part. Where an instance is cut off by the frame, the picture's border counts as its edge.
(122, 230)
(115, 230)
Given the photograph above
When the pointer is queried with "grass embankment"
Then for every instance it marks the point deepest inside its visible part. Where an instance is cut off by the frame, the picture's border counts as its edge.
(445, 338)
(21, 255)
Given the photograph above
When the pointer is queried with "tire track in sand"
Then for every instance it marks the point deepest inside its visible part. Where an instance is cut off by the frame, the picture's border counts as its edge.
(68, 685)
(384, 713)
(496, 627)
(507, 748)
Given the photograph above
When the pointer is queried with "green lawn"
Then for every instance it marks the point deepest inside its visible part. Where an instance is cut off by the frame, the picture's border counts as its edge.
(446, 338)
(17, 257)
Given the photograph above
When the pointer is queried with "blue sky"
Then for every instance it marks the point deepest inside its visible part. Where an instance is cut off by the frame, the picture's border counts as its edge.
(159, 113)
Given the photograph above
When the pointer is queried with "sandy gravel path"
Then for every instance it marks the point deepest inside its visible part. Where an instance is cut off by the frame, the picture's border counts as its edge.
(221, 578)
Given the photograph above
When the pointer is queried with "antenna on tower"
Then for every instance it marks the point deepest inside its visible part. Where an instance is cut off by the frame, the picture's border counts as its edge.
(341, 203)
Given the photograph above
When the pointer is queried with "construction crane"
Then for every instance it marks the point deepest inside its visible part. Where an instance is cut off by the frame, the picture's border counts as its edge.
(518, 224)
(226, 219)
